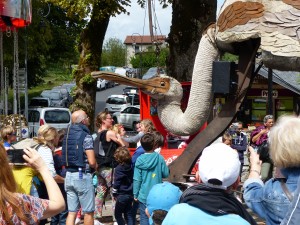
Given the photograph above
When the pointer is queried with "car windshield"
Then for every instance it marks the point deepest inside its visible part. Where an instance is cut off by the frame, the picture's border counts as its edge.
(39, 102)
(45, 94)
(54, 95)
(33, 116)
(57, 116)
(116, 101)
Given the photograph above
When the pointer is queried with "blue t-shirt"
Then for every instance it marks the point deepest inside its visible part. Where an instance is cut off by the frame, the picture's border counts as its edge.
(184, 214)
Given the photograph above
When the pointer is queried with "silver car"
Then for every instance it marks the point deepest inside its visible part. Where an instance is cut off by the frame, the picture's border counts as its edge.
(129, 117)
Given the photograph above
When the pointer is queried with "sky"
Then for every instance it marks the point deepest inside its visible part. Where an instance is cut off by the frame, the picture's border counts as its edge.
(138, 24)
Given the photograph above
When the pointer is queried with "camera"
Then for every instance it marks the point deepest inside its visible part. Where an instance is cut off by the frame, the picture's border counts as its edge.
(263, 151)
(15, 156)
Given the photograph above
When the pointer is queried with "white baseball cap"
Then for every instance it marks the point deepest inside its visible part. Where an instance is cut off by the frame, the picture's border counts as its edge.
(219, 166)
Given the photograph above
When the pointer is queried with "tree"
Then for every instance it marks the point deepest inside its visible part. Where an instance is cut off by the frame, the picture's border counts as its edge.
(51, 37)
(147, 59)
(189, 20)
(90, 44)
(113, 53)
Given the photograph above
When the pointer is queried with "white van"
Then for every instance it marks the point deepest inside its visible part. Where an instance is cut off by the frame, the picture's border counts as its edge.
(60, 118)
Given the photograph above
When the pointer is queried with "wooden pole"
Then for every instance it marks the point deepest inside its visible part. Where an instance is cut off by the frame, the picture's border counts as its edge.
(150, 20)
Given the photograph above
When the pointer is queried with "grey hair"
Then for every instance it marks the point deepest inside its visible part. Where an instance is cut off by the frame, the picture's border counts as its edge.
(80, 118)
(268, 117)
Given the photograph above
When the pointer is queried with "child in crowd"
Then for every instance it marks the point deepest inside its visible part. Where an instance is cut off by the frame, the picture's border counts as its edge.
(8, 136)
(150, 168)
(123, 185)
(227, 139)
(120, 132)
(160, 200)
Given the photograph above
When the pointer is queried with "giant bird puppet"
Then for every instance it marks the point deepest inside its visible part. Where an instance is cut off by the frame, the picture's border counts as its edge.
(242, 28)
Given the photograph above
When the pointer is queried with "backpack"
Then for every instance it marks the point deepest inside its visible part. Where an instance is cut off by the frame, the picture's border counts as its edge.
(104, 151)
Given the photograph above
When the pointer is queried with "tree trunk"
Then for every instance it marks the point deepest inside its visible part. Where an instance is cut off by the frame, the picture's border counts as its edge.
(189, 19)
(90, 49)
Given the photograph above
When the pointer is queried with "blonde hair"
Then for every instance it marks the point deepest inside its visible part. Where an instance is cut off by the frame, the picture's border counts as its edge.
(149, 126)
(117, 128)
(7, 130)
(101, 117)
(46, 136)
(226, 136)
(284, 142)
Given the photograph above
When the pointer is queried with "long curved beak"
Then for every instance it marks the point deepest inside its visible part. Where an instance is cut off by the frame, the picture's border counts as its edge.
(153, 85)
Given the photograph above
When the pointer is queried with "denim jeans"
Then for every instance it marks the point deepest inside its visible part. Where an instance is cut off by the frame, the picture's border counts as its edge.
(144, 220)
(132, 213)
(123, 206)
(59, 219)
(80, 192)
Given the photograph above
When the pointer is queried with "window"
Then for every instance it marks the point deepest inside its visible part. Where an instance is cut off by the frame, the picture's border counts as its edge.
(33, 116)
(57, 116)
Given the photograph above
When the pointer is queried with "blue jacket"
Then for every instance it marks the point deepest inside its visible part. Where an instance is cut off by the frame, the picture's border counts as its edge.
(123, 180)
(149, 170)
(139, 151)
(293, 215)
(269, 200)
(239, 143)
(73, 152)
(184, 214)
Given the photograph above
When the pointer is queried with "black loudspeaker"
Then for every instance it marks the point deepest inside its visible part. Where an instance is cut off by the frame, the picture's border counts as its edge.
(224, 78)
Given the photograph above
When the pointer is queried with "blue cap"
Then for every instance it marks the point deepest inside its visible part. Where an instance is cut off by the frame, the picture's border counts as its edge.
(162, 197)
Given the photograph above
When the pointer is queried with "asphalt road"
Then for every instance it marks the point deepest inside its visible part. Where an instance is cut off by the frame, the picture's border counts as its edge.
(101, 96)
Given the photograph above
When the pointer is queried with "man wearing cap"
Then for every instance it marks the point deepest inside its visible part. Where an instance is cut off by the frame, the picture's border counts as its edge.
(212, 201)
(159, 201)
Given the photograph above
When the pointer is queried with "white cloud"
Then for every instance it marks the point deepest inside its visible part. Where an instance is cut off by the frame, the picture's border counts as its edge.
(138, 22)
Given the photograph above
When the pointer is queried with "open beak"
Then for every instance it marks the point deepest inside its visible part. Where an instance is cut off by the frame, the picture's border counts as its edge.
(153, 85)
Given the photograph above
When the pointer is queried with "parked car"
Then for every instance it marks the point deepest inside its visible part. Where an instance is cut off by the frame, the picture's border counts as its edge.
(60, 118)
(152, 72)
(116, 103)
(121, 71)
(130, 89)
(128, 117)
(134, 99)
(101, 84)
(108, 84)
(56, 97)
(65, 94)
(69, 86)
(40, 102)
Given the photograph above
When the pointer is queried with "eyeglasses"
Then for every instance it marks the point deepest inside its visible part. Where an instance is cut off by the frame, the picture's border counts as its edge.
(85, 118)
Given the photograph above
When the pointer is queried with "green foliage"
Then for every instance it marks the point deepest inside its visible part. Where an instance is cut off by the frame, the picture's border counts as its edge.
(113, 53)
(229, 57)
(87, 79)
(84, 8)
(147, 59)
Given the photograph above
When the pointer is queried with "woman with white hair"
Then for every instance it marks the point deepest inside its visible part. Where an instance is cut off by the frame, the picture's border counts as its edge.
(272, 199)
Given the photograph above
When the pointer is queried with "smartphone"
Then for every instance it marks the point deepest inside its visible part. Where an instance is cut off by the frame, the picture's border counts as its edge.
(15, 156)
